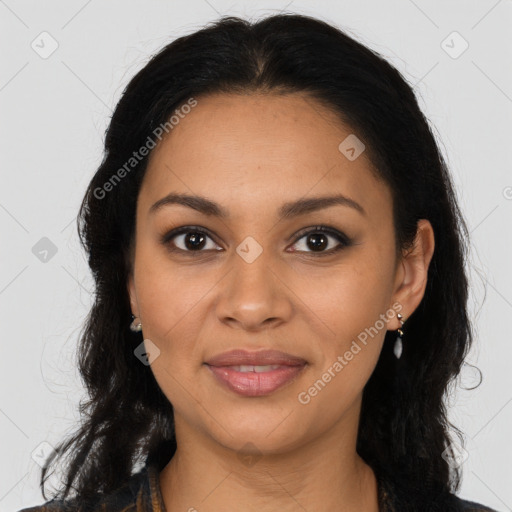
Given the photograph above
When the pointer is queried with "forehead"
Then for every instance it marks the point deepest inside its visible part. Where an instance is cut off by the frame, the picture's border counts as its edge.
(267, 147)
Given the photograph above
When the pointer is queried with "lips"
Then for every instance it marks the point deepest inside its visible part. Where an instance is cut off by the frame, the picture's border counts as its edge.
(255, 373)
(242, 357)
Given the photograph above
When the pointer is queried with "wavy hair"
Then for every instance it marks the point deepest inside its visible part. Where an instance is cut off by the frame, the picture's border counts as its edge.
(404, 433)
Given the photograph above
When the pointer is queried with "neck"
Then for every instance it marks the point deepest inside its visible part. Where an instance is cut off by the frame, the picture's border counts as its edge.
(324, 474)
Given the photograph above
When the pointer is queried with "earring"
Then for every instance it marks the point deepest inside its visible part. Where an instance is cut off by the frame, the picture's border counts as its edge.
(136, 325)
(397, 349)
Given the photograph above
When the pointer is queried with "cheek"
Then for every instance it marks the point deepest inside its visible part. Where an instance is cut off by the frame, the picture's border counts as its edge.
(171, 302)
(350, 299)
(352, 304)
(351, 307)
(170, 305)
(166, 292)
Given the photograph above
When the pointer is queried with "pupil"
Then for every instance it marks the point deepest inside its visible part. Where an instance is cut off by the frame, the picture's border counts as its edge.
(194, 240)
(319, 241)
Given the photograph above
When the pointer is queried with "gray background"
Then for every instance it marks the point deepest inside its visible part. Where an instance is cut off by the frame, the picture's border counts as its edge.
(55, 109)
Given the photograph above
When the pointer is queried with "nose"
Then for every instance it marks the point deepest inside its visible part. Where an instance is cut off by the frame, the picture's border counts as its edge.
(253, 296)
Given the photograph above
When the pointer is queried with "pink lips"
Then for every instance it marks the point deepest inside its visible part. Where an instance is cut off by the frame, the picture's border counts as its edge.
(281, 368)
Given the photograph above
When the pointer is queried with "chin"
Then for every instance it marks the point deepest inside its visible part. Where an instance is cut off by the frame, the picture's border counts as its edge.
(258, 437)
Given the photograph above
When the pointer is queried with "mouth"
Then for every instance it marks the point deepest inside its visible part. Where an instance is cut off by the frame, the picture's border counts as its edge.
(255, 373)
(241, 357)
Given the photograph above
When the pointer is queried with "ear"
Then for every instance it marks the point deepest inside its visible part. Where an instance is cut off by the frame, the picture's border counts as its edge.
(132, 294)
(412, 273)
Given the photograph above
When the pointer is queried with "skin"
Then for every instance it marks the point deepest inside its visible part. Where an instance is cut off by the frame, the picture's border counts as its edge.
(251, 154)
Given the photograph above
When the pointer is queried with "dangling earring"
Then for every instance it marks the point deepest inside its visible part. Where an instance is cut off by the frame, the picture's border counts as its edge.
(136, 325)
(397, 349)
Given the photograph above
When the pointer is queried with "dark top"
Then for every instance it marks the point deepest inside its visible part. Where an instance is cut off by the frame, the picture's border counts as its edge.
(142, 493)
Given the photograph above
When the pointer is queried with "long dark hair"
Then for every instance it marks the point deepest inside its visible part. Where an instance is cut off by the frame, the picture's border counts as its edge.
(404, 433)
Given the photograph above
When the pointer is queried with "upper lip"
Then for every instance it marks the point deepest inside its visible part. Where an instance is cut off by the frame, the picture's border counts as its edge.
(265, 357)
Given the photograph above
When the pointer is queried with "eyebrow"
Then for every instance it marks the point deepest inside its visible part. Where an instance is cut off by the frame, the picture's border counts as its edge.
(286, 211)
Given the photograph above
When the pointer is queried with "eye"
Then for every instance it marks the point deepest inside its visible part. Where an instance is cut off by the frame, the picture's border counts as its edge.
(194, 240)
(319, 238)
(191, 239)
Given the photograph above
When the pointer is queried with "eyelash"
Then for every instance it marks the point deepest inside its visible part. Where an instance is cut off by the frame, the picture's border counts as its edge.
(344, 240)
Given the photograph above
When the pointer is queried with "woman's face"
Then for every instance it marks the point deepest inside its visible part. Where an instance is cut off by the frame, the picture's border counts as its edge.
(262, 276)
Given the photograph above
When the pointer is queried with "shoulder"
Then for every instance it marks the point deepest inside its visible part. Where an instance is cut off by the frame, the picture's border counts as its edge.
(391, 501)
(471, 506)
(132, 496)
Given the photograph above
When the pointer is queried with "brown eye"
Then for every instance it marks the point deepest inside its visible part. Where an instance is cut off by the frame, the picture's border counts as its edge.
(321, 241)
(189, 239)
(194, 241)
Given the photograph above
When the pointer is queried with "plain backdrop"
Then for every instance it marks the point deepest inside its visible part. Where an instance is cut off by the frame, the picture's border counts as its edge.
(64, 66)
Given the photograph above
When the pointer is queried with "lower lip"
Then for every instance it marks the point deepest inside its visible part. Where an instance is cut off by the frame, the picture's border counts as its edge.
(253, 383)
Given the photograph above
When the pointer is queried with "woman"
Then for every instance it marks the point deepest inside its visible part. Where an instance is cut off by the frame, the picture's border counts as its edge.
(281, 294)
